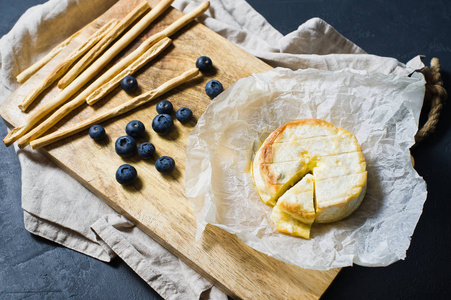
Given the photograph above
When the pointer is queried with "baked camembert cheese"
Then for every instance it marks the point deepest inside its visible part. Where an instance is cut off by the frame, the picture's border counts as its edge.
(309, 171)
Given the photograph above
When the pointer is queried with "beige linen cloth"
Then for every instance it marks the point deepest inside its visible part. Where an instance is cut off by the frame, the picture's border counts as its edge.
(60, 209)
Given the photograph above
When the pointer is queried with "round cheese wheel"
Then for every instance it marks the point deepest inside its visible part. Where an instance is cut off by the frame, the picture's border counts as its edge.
(333, 158)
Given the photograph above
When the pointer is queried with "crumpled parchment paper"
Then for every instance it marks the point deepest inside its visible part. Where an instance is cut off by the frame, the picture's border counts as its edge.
(381, 110)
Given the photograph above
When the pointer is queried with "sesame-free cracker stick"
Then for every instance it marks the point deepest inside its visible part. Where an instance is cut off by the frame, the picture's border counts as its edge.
(28, 72)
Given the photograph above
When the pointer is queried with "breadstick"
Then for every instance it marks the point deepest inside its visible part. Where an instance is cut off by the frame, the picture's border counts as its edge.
(168, 31)
(135, 66)
(101, 45)
(117, 111)
(64, 65)
(177, 25)
(88, 74)
(28, 72)
(80, 99)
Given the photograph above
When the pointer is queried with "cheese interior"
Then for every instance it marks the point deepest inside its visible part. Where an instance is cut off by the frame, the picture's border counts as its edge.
(288, 174)
(333, 190)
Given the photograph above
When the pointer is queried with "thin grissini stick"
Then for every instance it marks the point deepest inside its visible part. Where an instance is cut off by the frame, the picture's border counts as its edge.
(180, 23)
(102, 44)
(132, 68)
(80, 99)
(117, 111)
(28, 72)
(88, 74)
(65, 65)
(168, 31)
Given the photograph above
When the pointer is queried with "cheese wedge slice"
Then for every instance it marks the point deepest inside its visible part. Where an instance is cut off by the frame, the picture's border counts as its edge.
(337, 168)
(295, 212)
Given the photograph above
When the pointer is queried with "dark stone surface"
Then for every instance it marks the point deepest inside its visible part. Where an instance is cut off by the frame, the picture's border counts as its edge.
(31, 267)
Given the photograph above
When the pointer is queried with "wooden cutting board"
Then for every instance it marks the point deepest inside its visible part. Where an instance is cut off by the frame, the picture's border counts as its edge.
(157, 203)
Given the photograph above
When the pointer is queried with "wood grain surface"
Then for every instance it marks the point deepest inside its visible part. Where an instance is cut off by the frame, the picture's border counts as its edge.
(157, 203)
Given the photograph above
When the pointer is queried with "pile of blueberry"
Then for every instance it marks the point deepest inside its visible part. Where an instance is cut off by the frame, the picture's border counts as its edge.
(126, 146)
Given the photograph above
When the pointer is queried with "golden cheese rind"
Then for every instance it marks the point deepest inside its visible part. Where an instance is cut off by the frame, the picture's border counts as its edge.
(303, 129)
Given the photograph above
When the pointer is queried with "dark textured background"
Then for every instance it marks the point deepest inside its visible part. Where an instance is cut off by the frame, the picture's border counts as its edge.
(31, 267)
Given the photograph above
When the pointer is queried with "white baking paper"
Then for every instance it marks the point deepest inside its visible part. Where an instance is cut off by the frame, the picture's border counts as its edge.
(381, 110)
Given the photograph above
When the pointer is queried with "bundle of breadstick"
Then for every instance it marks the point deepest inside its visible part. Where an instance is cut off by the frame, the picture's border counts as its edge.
(66, 64)
(104, 43)
(149, 49)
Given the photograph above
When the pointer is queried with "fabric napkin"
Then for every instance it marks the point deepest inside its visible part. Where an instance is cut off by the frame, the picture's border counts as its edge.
(60, 209)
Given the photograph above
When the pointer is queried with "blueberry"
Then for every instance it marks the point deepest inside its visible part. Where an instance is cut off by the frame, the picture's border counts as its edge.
(213, 88)
(184, 115)
(162, 124)
(146, 150)
(97, 133)
(126, 174)
(135, 128)
(164, 107)
(129, 84)
(204, 63)
(125, 146)
(165, 164)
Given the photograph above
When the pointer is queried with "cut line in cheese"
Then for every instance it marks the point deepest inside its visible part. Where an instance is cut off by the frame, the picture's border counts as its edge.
(303, 153)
